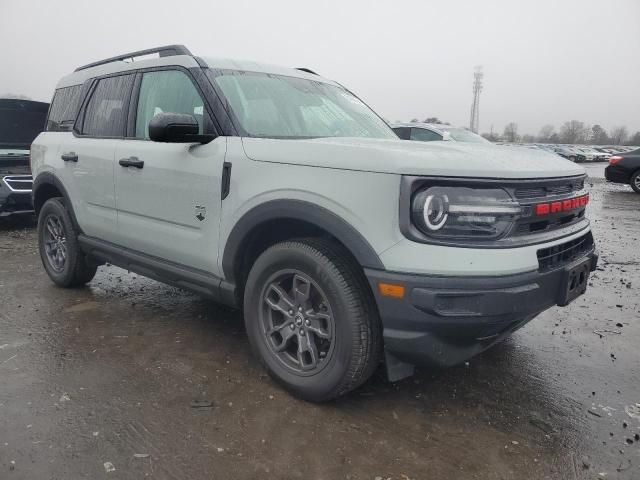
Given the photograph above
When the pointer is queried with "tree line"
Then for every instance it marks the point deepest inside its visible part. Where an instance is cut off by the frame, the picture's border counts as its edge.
(570, 132)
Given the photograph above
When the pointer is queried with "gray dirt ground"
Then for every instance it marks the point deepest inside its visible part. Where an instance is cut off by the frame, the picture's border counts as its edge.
(101, 374)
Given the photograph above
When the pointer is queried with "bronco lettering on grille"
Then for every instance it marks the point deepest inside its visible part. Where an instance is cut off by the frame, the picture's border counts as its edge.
(561, 206)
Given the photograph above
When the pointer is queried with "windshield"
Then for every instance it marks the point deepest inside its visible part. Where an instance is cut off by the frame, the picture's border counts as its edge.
(275, 106)
(463, 135)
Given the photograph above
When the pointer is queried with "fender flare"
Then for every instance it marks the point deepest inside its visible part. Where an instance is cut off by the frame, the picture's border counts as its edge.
(297, 210)
(48, 178)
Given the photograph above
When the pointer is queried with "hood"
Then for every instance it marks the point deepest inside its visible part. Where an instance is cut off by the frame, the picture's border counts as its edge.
(404, 157)
(20, 122)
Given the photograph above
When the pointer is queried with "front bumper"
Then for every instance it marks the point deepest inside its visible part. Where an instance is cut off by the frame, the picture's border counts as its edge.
(443, 321)
(15, 195)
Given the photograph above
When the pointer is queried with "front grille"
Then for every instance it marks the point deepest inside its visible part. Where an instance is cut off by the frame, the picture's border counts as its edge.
(559, 255)
(19, 183)
(548, 190)
(551, 189)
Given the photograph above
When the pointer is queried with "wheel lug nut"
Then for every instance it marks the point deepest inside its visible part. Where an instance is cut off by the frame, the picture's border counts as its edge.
(299, 309)
(307, 323)
(292, 326)
(302, 332)
(290, 312)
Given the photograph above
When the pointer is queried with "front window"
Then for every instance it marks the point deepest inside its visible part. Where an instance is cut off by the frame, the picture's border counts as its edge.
(275, 106)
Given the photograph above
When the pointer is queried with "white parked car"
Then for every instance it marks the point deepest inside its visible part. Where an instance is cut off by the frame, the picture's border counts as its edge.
(429, 132)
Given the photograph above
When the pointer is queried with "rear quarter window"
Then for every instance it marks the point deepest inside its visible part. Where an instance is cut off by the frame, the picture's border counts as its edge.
(64, 108)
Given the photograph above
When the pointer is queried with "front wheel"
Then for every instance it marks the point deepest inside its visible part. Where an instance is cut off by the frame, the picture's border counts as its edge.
(61, 256)
(311, 319)
(635, 181)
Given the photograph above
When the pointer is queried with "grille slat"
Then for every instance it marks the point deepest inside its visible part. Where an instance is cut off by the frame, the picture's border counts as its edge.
(531, 192)
(564, 253)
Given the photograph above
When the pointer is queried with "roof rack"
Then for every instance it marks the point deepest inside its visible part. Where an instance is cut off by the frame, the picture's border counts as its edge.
(308, 70)
(166, 51)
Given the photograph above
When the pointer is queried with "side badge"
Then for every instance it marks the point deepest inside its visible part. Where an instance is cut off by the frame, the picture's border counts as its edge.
(201, 212)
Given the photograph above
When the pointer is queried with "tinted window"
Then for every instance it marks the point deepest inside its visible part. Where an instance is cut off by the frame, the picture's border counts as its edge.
(167, 91)
(64, 108)
(106, 112)
(424, 135)
(402, 132)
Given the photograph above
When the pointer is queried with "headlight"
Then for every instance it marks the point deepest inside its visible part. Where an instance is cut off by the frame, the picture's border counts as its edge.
(464, 213)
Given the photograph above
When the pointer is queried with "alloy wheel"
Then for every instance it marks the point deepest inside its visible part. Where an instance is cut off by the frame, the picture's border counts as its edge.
(297, 322)
(55, 243)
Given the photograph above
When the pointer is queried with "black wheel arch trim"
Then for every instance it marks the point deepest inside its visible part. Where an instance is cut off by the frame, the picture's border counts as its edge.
(289, 209)
(48, 178)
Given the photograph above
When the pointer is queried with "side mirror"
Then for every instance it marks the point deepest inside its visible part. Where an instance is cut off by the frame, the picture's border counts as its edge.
(446, 136)
(176, 128)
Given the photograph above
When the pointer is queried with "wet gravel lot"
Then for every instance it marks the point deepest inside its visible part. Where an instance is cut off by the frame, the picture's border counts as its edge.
(129, 378)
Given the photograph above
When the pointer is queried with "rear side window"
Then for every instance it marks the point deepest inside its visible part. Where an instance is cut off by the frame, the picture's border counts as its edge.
(402, 132)
(424, 135)
(64, 108)
(106, 112)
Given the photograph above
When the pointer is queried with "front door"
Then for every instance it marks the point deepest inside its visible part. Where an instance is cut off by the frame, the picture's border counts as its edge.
(169, 201)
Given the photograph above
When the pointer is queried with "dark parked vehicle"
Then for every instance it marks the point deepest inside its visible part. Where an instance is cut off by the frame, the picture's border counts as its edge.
(625, 168)
(20, 123)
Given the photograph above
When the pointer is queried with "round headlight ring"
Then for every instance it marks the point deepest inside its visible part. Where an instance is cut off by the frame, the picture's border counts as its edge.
(435, 211)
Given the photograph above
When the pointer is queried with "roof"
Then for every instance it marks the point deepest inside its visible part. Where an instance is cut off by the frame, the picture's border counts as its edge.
(178, 55)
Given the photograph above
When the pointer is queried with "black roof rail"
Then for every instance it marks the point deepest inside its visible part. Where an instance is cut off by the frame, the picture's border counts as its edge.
(308, 70)
(166, 51)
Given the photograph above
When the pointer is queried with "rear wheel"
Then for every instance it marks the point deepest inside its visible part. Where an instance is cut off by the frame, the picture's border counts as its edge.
(311, 319)
(635, 181)
(61, 256)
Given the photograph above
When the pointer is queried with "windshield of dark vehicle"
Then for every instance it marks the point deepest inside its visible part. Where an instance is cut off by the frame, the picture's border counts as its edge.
(276, 106)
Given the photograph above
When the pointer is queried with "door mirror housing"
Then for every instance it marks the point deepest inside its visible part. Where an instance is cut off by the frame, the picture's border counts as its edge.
(446, 136)
(176, 128)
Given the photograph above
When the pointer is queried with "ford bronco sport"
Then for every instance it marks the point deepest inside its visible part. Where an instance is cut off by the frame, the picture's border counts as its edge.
(280, 192)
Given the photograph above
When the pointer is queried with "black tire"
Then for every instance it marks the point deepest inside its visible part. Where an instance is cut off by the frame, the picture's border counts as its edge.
(635, 181)
(356, 346)
(74, 271)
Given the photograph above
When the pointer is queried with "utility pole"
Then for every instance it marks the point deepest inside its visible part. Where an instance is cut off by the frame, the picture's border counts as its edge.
(474, 124)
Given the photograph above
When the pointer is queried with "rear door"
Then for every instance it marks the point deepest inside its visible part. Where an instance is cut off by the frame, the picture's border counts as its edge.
(88, 155)
(169, 206)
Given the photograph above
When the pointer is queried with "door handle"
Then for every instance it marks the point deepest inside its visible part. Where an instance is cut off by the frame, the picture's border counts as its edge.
(69, 157)
(131, 162)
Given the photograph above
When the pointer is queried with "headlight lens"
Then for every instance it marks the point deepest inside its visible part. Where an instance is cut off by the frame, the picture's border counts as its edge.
(464, 213)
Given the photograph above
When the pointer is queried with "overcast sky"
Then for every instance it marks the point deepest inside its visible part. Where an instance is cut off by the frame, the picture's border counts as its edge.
(544, 61)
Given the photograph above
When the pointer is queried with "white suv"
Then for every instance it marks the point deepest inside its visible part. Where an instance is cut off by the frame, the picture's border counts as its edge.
(280, 192)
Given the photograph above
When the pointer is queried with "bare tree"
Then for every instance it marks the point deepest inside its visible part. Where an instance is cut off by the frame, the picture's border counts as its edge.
(545, 133)
(619, 135)
(414, 120)
(572, 132)
(599, 135)
(511, 133)
(634, 139)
